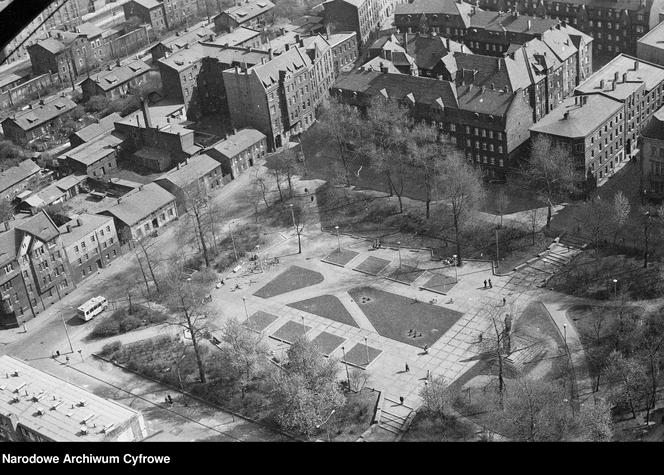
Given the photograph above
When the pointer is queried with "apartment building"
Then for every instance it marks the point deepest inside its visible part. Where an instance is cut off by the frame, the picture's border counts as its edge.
(239, 152)
(364, 17)
(91, 243)
(253, 14)
(116, 80)
(38, 119)
(652, 156)
(15, 180)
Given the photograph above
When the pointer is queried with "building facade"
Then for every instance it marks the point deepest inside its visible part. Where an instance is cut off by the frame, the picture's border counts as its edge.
(38, 119)
(652, 157)
(239, 152)
(91, 244)
(253, 14)
(116, 81)
(364, 17)
(15, 180)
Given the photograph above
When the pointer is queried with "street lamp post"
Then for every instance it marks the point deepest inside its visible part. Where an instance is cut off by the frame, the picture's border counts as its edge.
(366, 347)
(338, 240)
(303, 325)
(71, 348)
(177, 369)
(230, 227)
(456, 275)
(346, 364)
(244, 301)
(297, 231)
(615, 288)
(399, 250)
(318, 426)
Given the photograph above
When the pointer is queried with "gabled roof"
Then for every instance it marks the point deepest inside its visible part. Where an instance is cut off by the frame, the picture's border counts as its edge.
(40, 226)
(93, 151)
(378, 62)
(572, 120)
(190, 171)
(248, 10)
(433, 7)
(118, 75)
(105, 125)
(52, 45)
(484, 101)
(655, 127)
(560, 42)
(18, 173)
(140, 203)
(179, 40)
(398, 86)
(89, 223)
(489, 70)
(70, 181)
(39, 114)
(238, 142)
(292, 61)
(500, 22)
(44, 197)
(149, 4)
(90, 30)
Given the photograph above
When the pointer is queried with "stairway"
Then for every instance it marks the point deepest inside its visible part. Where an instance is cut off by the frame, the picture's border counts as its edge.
(573, 242)
(394, 416)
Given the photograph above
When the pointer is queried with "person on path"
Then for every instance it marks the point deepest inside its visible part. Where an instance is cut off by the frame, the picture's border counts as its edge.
(401, 400)
(480, 337)
(426, 349)
(485, 283)
(407, 368)
(504, 301)
(170, 399)
(428, 374)
(490, 285)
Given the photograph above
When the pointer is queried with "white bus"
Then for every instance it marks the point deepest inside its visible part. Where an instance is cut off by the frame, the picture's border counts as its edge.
(92, 308)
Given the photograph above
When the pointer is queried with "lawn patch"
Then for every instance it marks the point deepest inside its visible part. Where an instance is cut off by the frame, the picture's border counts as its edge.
(362, 355)
(260, 320)
(340, 258)
(440, 283)
(290, 331)
(406, 274)
(393, 316)
(372, 265)
(327, 306)
(293, 278)
(327, 342)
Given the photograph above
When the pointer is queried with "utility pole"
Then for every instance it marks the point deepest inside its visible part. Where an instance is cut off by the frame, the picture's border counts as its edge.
(497, 256)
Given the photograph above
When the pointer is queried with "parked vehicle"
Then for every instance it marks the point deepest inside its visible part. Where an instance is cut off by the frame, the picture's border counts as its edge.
(92, 308)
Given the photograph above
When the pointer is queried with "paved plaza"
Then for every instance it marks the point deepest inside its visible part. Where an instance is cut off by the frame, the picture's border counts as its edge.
(341, 325)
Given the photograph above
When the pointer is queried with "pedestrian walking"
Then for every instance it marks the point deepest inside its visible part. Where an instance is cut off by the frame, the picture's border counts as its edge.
(170, 399)
(504, 301)
(401, 400)
(57, 352)
(485, 284)
(490, 285)
(67, 359)
(426, 349)
(480, 337)
(428, 374)
(407, 368)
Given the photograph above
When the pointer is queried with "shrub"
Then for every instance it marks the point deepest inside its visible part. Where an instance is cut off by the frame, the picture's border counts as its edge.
(121, 321)
(110, 349)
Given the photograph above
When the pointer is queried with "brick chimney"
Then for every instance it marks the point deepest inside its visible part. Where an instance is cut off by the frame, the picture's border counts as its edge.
(146, 113)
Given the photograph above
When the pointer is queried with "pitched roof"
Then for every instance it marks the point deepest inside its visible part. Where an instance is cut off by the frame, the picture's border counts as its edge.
(105, 124)
(248, 10)
(572, 120)
(50, 406)
(440, 7)
(190, 171)
(560, 42)
(52, 45)
(149, 4)
(291, 61)
(93, 151)
(376, 63)
(428, 50)
(140, 203)
(89, 222)
(39, 114)
(9, 243)
(489, 70)
(638, 72)
(40, 225)
(45, 196)
(497, 21)
(399, 86)
(118, 75)
(180, 39)
(238, 142)
(68, 182)
(90, 30)
(655, 37)
(18, 173)
(484, 101)
(237, 36)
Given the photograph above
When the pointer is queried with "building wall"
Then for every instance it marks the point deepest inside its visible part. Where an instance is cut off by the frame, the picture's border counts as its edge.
(20, 92)
(163, 216)
(223, 23)
(345, 53)
(93, 251)
(242, 161)
(25, 184)
(652, 166)
(15, 308)
(20, 136)
(98, 169)
(342, 16)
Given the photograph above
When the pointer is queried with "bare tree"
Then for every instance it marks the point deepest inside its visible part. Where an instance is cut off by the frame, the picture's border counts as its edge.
(533, 219)
(552, 170)
(596, 217)
(197, 202)
(628, 380)
(343, 124)
(185, 294)
(146, 247)
(260, 184)
(463, 190)
(427, 156)
(621, 211)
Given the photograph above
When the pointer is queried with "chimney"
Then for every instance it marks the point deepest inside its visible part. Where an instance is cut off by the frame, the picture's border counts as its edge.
(79, 222)
(613, 86)
(636, 65)
(447, 42)
(482, 89)
(601, 84)
(383, 69)
(69, 228)
(615, 77)
(270, 53)
(119, 199)
(237, 69)
(287, 47)
(530, 24)
(178, 165)
(327, 31)
(140, 188)
(566, 115)
(146, 113)
(297, 39)
(624, 77)
(186, 46)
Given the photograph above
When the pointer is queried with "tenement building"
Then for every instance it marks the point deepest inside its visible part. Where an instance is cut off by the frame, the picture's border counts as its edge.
(489, 125)
(591, 129)
(615, 25)
(652, 156)
(364, 17)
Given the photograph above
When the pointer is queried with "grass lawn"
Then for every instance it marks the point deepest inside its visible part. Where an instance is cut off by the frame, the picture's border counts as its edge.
(353, 418)
(290, 331)
(361, 355)
(327, 306)
(406, 274)
(293, 278)
(372, 265)
(327, 342)
(340, 258)
(260, 320)
(393, 316)
(440, 283)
